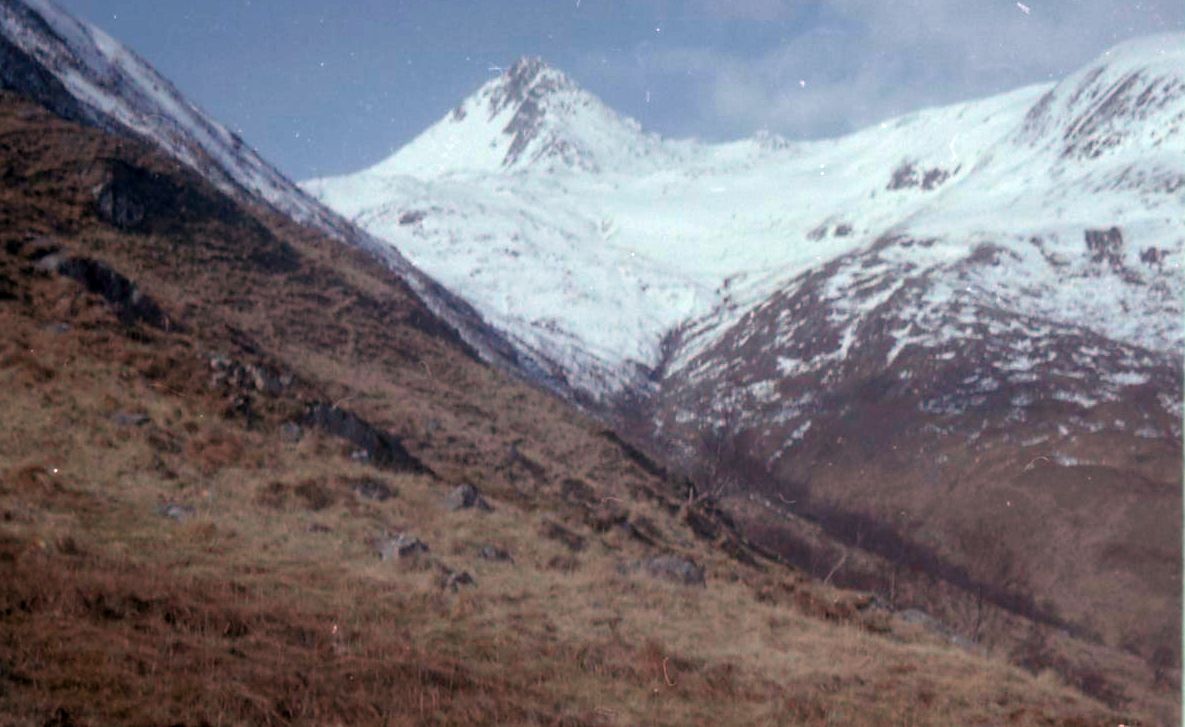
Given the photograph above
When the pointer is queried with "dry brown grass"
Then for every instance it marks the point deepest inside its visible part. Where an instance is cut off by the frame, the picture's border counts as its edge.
(245, 614)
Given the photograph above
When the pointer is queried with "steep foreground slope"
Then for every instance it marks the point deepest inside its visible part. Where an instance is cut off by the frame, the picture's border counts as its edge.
(215, 423)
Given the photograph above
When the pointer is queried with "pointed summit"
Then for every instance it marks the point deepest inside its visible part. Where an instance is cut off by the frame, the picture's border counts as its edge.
(529, 81)
(530, 90)
(531, 115)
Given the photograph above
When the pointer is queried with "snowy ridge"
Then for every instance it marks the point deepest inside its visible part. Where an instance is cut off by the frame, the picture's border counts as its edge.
(596, 261)
(120, 91)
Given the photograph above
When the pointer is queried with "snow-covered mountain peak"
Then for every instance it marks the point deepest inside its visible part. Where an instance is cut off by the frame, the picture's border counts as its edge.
(532, 116)
(529, 81)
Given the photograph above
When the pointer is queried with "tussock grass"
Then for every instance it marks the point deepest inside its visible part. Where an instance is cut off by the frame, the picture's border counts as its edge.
(244, 614)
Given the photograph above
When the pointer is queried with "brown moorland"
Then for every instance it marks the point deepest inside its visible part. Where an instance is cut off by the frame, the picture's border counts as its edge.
(214, 420)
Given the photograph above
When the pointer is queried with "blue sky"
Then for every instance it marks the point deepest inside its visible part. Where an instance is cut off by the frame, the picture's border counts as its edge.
(330, 87)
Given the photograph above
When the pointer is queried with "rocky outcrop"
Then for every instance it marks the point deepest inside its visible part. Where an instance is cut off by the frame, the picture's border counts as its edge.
(130, 304)
(908, 175)
(380, 448)
(251, 377)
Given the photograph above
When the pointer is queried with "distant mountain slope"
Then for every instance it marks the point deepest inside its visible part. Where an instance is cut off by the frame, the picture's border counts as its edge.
(652, 236)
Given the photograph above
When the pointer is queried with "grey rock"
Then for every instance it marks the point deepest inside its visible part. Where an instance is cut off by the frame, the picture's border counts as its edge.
(455, 580)
(49, 263)
(373, 445)
(129, 419)
(921, 618)
(554, 531)
(265, 380)
(673, 568)
(465, 497)
(291, 432)
(493, 552)
(874, 603)
(934, 626)
(258, 377)
(176, 511)
(400, 546)
(373, 490)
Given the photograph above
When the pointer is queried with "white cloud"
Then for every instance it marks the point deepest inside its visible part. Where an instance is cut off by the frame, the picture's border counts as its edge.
(866, 60)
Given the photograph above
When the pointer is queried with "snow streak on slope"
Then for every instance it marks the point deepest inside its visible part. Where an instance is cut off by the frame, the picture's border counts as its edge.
(121, 91)
(591, 242)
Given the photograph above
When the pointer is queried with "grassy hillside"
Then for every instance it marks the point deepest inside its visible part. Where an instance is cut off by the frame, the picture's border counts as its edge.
(198, 476)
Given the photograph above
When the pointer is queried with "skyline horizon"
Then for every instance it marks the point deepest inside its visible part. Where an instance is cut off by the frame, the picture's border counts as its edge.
(757, 133)
(322, 95)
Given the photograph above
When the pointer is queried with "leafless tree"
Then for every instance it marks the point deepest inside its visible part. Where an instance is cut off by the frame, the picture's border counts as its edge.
(994, 569)
(716, 477)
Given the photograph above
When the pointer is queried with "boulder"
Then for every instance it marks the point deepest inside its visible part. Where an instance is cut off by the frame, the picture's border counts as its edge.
(257, 377)
(400, 546)
(129, 419)
(375, 490)
(176, 511)
(465, 497)
(454, 580)
(673, 568)
(291, 432)
(494, 553)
